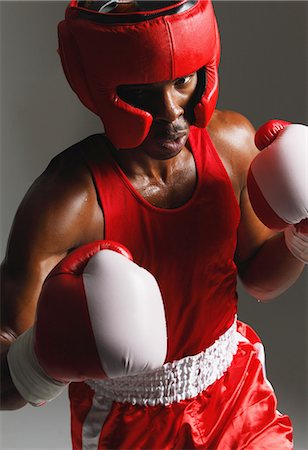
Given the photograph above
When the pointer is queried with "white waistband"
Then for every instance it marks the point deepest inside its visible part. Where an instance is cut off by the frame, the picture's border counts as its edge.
(173, 382)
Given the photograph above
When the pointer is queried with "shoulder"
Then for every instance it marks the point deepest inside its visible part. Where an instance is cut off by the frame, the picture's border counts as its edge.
(75, 157)
(58, 213)
(233, 137)
(231, 124)
(68, 173)
(60, 209)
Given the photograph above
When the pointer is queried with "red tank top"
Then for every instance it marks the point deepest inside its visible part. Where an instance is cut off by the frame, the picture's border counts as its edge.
(188, 249)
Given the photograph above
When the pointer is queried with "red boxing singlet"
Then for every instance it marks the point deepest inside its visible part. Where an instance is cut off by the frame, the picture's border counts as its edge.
(190, 251)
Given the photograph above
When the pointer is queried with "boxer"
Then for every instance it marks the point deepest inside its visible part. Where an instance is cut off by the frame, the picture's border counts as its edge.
(152, 351)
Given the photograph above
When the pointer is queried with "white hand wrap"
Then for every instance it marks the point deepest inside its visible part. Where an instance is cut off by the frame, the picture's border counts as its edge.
(31, 381)
(297, 243)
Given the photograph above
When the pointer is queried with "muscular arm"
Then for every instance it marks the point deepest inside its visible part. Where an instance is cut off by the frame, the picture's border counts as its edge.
(265, 265)
(59, 213)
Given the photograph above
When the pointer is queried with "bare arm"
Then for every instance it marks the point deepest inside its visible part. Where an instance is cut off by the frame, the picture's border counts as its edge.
(59, 213)
(266, 267)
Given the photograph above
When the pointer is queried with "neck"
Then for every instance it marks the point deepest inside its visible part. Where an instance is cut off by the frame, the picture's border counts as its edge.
(136, 163)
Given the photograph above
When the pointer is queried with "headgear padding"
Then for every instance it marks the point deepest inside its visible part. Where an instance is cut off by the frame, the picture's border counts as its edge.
(101, 51)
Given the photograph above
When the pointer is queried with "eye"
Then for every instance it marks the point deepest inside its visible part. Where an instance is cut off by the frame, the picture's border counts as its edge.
(134, 91)
(138, 92)
(135, 95)
(130, 93)
(184, 81)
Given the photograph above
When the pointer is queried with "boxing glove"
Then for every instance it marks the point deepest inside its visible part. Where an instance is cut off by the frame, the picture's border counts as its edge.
(277, 177)
(297, 242)
(99, 315)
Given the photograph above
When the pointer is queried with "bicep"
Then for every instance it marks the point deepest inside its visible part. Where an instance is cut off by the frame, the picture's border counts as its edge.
(32, 251)
(251, 235)
(57, 215)
(21, 287)
(238, 133)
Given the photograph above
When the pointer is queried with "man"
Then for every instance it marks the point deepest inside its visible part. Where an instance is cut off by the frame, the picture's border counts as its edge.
(161, 174)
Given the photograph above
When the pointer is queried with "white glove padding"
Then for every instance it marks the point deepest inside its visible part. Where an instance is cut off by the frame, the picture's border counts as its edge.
(297, 243)
(127, 314)
(277, 179)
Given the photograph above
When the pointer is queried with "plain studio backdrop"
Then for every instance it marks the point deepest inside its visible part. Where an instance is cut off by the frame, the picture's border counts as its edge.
(263, 75)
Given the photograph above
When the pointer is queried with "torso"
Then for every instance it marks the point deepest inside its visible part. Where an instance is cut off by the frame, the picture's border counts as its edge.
(180, 186)
(61, 211)
(189, 249)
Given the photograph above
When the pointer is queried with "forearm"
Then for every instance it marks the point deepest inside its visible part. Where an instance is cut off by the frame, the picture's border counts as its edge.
(271, 271)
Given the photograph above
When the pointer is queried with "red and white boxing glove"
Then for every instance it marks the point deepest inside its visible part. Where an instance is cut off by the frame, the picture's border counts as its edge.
(99, 315)
(278, 182)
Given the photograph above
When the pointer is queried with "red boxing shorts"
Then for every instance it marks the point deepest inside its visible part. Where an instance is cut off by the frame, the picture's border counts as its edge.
(181, 407)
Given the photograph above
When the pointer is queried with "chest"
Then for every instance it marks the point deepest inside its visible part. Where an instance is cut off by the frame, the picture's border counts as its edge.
(171, 192)
(180, 186)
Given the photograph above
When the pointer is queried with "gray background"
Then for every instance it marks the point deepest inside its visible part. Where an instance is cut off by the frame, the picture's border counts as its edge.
(263, 75)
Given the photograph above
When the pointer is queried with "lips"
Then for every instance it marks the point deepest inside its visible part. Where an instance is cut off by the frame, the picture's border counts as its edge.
(174, 144)
(171, 136)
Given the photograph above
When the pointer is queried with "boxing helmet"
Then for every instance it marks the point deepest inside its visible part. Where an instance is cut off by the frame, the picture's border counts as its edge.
(102, 51)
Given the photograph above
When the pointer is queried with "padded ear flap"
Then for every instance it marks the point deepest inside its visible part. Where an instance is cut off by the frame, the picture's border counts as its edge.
(125, 125)
(205, 107)
(72, 66)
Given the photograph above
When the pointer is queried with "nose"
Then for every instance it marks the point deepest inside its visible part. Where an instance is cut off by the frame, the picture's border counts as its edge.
(167, 106)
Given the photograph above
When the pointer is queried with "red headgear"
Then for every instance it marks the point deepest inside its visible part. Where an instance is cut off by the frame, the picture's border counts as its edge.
(101, 51)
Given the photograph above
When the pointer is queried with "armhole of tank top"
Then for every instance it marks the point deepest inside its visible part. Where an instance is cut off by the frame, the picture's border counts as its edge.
(198, 142)
(222, 166)
(95, 177)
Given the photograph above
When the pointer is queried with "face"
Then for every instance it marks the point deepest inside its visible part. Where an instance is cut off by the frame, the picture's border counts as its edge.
(169, 103)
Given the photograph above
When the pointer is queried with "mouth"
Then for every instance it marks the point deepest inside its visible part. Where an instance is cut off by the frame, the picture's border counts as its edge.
(173, 143)
(171, 136)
